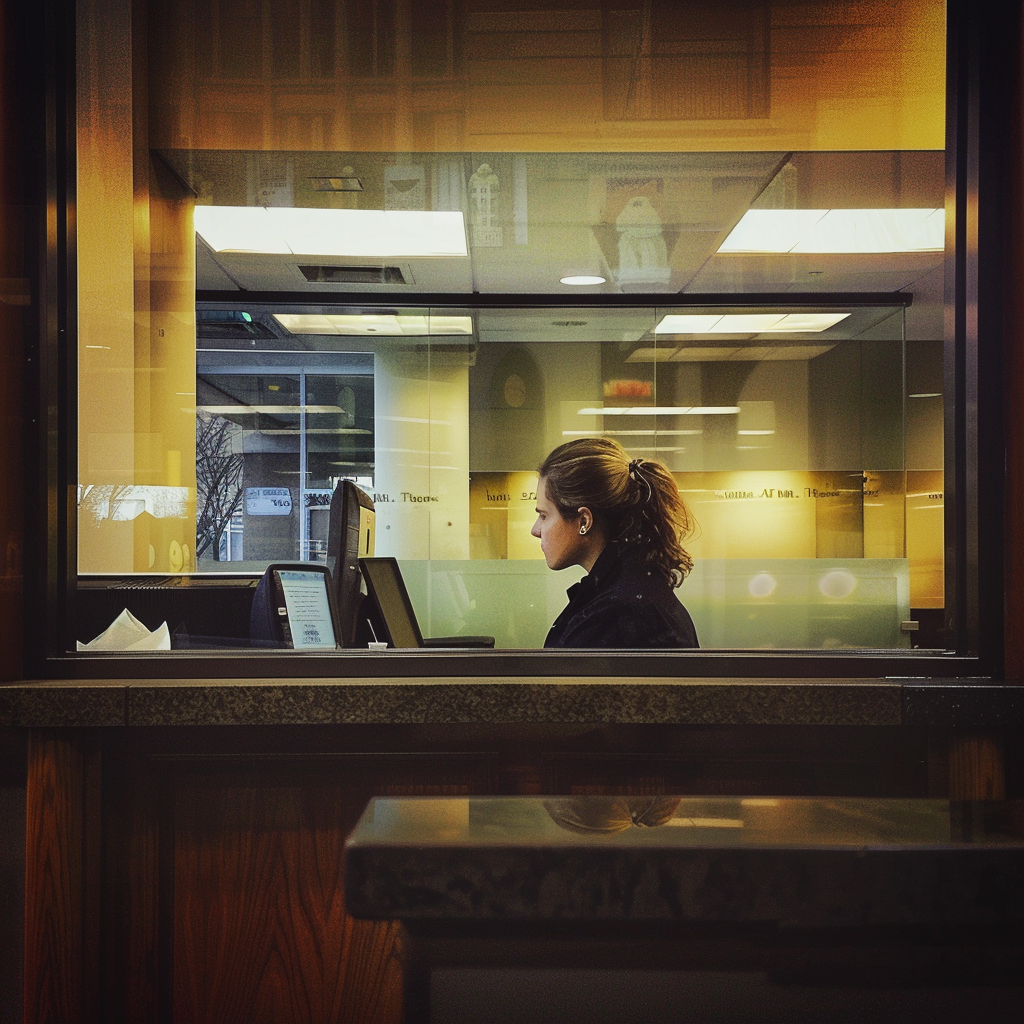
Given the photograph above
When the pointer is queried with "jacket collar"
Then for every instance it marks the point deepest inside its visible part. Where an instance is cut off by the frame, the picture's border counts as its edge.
(605, 566)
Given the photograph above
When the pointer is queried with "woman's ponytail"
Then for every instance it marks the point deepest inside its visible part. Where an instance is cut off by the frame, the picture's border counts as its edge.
(636, 501)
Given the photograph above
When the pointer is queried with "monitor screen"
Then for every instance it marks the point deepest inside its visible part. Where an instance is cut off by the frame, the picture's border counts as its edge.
(387, 591)
(308, 607)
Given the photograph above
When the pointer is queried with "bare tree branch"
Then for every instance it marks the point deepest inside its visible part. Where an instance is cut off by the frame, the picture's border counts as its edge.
(218, 479)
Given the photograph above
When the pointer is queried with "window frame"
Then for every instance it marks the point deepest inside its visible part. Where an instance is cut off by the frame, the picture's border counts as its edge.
(974, 444)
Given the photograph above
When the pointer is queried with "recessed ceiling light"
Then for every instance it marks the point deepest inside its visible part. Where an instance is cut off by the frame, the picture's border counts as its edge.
(838, 231)
(308, 232)
(582, 279)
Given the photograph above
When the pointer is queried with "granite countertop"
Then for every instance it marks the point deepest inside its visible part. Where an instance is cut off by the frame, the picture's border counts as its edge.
(548, 699)
(797, 862)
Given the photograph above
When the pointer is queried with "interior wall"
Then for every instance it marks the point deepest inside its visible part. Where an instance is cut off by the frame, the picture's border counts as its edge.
(136, 316)
(105, 214)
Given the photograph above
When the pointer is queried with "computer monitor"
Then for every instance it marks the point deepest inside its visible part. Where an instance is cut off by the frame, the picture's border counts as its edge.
(388, 608)
(350, 535)
(293, 607)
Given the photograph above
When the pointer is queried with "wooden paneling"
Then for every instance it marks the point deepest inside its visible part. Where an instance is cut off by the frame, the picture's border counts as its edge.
(976, 769)
(200, 879)
(259, 931)
(15, 316)
(61, 881)
(132, 888)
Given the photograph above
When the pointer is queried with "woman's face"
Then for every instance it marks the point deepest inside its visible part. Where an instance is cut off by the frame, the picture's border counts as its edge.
(560, 539)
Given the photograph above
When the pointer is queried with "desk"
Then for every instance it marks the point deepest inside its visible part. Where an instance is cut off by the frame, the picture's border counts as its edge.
(786, 909)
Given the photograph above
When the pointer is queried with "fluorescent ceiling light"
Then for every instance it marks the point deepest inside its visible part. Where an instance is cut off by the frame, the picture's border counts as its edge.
(384, 324)
(581, 279)
(634, 433)
(805, 323)
(308, 232)
(733, 353)
(745, 323)
(838, 231)
(661, 410)
(748, 323)
(230, 410)
(674, 323)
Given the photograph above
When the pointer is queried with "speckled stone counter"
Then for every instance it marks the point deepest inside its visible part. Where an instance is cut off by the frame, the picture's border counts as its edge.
(808, 863)
(430, 700)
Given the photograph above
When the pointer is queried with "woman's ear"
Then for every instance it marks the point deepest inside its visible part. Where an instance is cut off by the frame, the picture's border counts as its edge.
(586, 518)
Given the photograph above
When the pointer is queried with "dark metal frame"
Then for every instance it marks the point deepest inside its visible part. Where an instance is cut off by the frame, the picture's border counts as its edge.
(560, 300)
(974, 442)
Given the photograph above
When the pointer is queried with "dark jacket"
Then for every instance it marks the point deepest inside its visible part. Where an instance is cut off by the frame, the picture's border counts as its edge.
(623, 604)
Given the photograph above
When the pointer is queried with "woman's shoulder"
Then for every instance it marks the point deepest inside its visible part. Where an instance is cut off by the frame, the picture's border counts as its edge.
(637, 611)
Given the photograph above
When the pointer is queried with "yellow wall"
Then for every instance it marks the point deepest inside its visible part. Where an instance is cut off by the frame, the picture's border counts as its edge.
(136, 315)
(762, 514)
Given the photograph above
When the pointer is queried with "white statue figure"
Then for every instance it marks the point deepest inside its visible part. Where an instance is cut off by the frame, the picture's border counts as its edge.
(484, 189)
(643, 256)
(483, 196)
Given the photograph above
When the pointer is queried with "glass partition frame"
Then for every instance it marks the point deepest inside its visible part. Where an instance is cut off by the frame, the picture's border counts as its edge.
(973, 517)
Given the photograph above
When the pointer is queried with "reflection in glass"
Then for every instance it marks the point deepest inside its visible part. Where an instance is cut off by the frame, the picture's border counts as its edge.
(794, 456)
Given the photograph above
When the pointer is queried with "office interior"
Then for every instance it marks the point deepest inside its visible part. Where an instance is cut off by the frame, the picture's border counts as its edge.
(569, 119)
(224, 393)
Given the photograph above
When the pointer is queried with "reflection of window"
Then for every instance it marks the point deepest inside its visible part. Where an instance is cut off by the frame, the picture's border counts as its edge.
(294, 41)
(373, 28)
(371, 38)
(696, 61)
(270, 446)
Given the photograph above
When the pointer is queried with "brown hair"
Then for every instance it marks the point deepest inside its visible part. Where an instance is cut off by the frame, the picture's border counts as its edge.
(606, 815)
(635, 501)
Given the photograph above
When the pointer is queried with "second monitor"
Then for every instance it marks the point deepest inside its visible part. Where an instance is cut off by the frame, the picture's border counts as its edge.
(389, 613)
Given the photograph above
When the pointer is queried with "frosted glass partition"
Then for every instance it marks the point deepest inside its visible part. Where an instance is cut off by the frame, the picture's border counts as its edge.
(735, 603)
(806, 441)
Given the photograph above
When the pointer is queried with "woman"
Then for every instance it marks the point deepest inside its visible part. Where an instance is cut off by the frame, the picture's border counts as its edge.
(623, 520)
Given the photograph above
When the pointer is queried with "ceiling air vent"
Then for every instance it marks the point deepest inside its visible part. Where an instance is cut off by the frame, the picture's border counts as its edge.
(352, 275)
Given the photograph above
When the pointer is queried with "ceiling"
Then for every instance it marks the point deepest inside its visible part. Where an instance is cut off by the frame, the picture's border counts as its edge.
(552, 215)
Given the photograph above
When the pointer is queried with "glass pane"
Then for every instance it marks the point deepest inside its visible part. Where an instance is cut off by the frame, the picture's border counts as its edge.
(788, 447)
(700, 203)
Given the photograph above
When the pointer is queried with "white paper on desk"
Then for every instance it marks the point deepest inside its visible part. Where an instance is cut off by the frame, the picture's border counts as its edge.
(126, 633)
